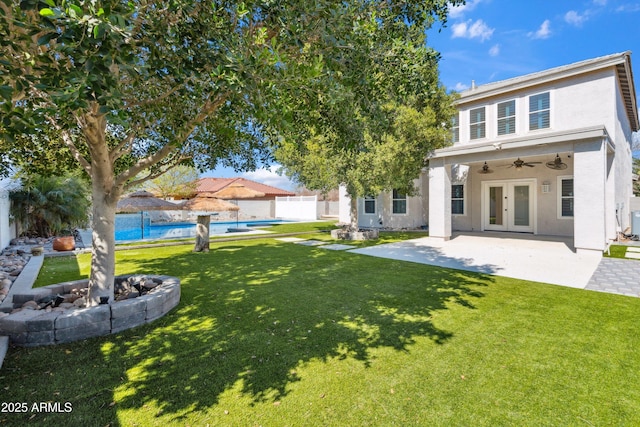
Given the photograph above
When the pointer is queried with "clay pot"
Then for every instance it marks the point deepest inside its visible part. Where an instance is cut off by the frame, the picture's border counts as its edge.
(65, 243)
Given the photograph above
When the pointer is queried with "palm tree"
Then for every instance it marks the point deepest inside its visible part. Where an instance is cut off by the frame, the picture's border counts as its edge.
(50, 205)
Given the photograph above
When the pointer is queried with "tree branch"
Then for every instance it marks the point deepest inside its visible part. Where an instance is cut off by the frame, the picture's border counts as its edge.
(160, 172)
(68, 141)
(151, 101)
(209, 108)
(124, 146)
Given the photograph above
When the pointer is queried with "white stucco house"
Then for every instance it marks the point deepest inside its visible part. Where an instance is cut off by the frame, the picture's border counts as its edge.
(547, 153)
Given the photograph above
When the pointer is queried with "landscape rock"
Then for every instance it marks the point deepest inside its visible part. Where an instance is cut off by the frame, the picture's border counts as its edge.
(30, 305)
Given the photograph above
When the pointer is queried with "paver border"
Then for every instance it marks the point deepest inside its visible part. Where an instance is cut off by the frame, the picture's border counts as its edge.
(30, 328)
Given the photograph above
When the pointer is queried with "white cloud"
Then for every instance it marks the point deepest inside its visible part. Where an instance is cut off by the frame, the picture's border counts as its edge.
(600, 2)
(270, 177)
(475, 30)
(544, 32)
(495, 50)
(630, 8)
(459, 87)
(574, 18)
(459, 11)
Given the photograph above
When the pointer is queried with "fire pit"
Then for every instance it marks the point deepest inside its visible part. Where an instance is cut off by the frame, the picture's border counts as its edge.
(57, 313)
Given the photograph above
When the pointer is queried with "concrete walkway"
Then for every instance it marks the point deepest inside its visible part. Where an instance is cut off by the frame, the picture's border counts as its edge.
(536, 258)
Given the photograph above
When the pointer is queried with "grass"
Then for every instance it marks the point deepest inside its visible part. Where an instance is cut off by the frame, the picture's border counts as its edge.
(271, 333)
(617, 251)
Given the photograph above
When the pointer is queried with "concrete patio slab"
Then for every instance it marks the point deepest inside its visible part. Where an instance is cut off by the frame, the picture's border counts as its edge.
(338, 247)
(521, 256)
(290, 239)
(310, 243)
(634, 255)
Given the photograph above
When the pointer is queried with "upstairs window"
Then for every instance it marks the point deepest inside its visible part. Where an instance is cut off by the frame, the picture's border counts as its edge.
(455, 128)
(539, 111)
(477, 121)
(507, 117)
(399, 202)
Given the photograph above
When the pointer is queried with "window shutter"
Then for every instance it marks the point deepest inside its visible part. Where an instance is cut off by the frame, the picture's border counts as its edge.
(477, 120)
(507, 117)
(539, 111)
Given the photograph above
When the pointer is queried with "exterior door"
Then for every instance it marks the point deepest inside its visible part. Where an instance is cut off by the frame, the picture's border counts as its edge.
(508, 206)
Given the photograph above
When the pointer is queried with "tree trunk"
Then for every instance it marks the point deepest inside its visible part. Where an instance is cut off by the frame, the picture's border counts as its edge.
(353, 211)
(104, 194)
(202, 234)
(103, 260)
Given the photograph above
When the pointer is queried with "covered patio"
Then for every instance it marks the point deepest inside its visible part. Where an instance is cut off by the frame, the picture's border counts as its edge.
(513, 186)
(539, 258)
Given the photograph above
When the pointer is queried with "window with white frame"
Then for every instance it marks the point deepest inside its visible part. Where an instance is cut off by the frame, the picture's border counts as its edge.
(455, 128)
(565, 196)
(399, 202)
(457, 199)
(507, 117)
(477, 122)
(539, 111)
(369, 205)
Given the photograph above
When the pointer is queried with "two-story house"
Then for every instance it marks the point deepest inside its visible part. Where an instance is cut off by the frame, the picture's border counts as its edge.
(546, 153)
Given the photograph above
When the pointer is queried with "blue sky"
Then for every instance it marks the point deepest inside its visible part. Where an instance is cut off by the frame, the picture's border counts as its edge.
(492, 40)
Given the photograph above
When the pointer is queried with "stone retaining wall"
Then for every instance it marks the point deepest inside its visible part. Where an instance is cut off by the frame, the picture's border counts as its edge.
(38, 327)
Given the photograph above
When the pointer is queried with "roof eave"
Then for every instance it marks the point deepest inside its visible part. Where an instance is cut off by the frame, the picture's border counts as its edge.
(541, 77)
(542, 139)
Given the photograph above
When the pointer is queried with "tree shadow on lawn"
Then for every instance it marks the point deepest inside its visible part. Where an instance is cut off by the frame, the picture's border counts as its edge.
(250, 316)
(254, 313)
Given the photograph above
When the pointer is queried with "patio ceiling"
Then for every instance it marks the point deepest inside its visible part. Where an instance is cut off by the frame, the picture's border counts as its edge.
(505, 149)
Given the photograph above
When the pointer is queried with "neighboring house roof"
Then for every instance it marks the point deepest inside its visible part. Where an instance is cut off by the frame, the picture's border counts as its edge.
(621, 62)
(217, 184)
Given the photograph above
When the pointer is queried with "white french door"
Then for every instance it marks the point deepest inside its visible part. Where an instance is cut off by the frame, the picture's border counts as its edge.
(509, 205)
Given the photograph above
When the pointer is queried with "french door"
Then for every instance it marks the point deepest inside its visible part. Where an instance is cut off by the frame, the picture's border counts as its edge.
(509, 205)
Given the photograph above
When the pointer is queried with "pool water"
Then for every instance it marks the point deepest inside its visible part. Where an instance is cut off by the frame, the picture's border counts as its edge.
(132, 230)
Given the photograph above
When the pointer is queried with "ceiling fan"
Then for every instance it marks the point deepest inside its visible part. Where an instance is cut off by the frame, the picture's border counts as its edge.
(485, 169)
(518, 164)
(556, 164)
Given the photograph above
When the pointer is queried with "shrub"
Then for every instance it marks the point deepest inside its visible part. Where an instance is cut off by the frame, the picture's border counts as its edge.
(46, 206)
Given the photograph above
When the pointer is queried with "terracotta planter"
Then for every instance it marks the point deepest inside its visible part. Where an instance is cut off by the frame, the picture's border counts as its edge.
(66, 243)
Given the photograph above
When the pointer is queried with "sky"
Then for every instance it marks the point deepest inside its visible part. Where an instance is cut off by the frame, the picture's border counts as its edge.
(491, 40)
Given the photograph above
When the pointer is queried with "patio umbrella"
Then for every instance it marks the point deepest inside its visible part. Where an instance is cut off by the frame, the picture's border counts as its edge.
(206, 202)
(141, 201)
(236, 191)
(144, 201)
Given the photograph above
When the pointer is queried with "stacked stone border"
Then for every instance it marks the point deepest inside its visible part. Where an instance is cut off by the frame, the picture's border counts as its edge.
(367, 234)
(30, 328)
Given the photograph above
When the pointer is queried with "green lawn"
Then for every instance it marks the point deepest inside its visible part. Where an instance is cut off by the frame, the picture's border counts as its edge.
(271, 333)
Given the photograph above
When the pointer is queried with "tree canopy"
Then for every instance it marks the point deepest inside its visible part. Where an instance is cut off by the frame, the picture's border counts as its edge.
(179, 182)
(122, 88)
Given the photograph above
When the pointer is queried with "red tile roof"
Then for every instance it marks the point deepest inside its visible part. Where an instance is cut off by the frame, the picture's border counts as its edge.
(217, 184)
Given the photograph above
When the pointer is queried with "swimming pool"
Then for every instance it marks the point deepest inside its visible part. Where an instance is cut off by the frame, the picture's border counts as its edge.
(132, 230)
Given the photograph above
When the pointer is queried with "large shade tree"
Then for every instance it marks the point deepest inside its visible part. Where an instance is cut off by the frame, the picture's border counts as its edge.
(388, 152)
(121, 88)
